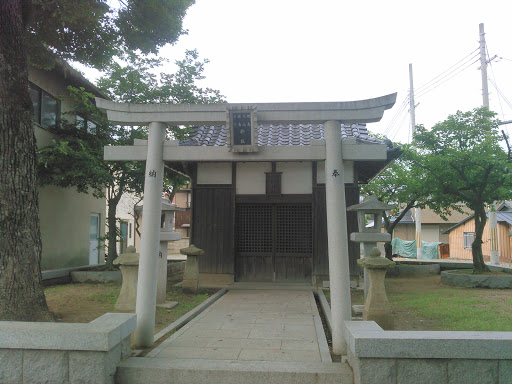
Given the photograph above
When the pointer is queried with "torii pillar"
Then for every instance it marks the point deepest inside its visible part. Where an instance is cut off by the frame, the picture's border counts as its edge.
(150, 237)
(337, 238)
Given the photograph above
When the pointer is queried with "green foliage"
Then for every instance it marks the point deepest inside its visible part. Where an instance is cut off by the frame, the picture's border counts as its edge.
(462, 161)
(93, 31)
(402, 184)
(148, 24)
(134, 81)
(76, 158)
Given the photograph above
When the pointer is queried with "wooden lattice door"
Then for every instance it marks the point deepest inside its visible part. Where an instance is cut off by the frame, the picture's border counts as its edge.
(274, 242)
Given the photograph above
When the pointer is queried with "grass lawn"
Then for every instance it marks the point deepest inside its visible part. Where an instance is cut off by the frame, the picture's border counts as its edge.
(82, 303)
(423, 303)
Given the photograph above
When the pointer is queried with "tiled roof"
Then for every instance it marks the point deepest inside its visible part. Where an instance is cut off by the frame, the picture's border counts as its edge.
(271, 135)
(501, 217)
(504, 217)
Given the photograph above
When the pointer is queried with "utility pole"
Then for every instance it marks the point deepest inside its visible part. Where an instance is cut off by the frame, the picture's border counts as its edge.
(417, 211)
(493, 223)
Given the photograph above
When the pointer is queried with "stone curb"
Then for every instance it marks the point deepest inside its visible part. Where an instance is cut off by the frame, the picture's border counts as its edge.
(187, 317)
(325, 355)
(476, 281)
(101, 334)
(325, 307)
(418, 270)
(64, 272)
(366, 339)
(98, 277)
(137, 370)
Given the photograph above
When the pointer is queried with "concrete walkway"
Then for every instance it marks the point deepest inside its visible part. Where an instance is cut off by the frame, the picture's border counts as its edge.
(252, 335)
(253, 325)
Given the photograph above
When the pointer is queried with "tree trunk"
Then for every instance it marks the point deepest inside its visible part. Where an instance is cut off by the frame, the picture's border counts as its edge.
(21, 293)
(388, 249)
(476, 248)
(112, 232)
(390, 227)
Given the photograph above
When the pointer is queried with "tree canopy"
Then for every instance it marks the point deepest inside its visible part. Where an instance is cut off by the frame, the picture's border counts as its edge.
(463, 160)
(76, 158)
(38, 32)
(93, 31)
(402, 184)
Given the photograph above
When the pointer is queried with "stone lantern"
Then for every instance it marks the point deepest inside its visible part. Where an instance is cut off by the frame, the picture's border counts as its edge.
(129, 265)
(376, 305)
(370, 208)
(166, 234)
(191, 276)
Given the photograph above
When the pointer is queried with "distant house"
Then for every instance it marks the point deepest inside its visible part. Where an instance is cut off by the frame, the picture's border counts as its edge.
(129, 216)
(125, 215)
(173, 246)
(71, 222)
(432, 226)
(462, 235)
(182, 219)
(183, 199)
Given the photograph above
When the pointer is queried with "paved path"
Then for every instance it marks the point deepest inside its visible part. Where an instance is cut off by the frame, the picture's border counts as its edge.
(253, 325)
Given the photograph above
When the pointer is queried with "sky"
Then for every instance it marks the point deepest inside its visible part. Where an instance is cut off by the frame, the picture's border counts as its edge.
(333, 50)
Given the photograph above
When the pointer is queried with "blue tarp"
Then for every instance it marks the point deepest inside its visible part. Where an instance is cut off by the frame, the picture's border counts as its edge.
(407, 249)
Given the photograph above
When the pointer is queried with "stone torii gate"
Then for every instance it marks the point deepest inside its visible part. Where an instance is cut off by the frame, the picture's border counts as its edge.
(333, 151)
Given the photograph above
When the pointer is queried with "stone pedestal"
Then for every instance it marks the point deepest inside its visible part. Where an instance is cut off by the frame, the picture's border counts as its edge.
(191, 274)
(367, 246)
(376, 305)
(161, 287)
(129, 265)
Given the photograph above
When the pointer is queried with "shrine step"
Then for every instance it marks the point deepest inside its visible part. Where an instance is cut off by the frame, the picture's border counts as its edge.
(141, 370)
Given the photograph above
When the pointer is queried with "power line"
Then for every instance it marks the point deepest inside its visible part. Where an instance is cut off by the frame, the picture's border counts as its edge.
(500, 93)
(399, 111)
(399, 126)
(445, 79)
(396, 115)
(496, 87)
(472, 54)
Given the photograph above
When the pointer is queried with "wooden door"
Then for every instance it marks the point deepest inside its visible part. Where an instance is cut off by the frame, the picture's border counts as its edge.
(293, 253)
(253, 260)
(274, 242)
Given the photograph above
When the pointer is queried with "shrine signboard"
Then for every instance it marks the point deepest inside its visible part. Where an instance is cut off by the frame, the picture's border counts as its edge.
(242, 129)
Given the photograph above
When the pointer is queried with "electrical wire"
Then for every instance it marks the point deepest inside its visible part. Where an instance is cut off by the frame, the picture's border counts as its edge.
(399, 126)
(472, 54)
(396, 116)
(493, 82)
(500, 93)
(424, 92)
(437, 81)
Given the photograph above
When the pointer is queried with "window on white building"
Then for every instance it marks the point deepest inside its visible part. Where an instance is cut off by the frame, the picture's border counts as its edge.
(46, 107)
(83, 124)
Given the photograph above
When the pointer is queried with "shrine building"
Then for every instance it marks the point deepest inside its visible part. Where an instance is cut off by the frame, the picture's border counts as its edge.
(259, 208)
(259, 182)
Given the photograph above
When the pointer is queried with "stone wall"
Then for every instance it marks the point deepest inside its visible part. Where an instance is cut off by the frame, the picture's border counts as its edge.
(393, 357)
(63, 352)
